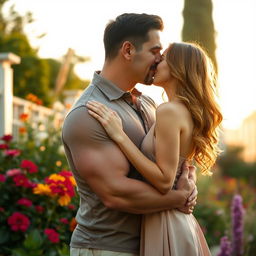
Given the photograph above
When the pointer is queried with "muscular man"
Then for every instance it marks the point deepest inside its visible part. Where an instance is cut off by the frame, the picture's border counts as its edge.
(112, 194)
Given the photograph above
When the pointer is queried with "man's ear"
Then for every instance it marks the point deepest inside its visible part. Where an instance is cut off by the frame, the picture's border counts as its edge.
(127, 50)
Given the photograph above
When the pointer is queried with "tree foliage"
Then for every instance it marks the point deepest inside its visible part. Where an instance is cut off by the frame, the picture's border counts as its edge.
(34, 74)
(12, 22)
(199, 26)
(233, 165)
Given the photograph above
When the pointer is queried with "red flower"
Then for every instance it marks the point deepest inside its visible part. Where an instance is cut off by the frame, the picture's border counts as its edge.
(18, 221)
(71, 207)
(7, 138)
(52, 235)
(39, 102)
(1, 209)
(66, 173)
(3, 146)
(12, 152)
(13, 172)
(64, 221)
(21, 180)
(25, 202)
(29, 166)
(61, 184)
(2, 178)
(39, 208)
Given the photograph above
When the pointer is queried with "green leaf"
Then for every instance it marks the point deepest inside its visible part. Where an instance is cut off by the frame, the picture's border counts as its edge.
(64, 251)
(4, 236)
(19, 252)
(33, 240)
(35, 253)
(52, 252)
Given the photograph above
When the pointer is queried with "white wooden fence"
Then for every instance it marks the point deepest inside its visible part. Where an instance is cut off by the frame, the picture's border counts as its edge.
(12, 107)
(37, 115)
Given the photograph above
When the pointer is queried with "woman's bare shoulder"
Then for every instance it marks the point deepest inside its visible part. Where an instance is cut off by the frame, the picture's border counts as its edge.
(171, 108)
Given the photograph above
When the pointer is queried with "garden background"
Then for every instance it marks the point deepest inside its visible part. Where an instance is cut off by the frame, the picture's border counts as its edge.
(39, 200)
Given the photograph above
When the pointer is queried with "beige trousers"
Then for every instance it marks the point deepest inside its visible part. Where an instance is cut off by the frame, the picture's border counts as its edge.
(96, 252)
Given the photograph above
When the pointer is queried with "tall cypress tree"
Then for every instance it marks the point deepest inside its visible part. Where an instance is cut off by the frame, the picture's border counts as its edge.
(198, 25)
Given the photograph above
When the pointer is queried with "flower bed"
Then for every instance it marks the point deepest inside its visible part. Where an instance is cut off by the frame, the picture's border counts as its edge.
(38, 202)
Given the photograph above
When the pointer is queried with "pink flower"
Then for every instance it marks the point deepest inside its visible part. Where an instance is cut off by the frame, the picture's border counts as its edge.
(12, 152)
(21, 180)
(25, 202)
(52, 235)
(2, 178)
(13, 172)
(39, 208)
(64, 221)
(29, 166)
(18, 221)
(7, 138)
(3, 146)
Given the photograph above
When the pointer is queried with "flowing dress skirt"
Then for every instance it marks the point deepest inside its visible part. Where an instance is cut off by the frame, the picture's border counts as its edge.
(172, 233)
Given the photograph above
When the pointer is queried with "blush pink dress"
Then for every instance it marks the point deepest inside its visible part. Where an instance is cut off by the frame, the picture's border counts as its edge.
(170, 233)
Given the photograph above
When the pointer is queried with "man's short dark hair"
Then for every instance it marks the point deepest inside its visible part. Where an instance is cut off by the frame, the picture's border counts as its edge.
(132, 27)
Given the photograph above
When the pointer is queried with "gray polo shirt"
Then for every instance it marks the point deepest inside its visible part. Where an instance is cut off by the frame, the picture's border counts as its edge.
(99, 227)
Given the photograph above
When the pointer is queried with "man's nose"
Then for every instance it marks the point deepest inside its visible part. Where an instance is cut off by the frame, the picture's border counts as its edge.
(158, 58)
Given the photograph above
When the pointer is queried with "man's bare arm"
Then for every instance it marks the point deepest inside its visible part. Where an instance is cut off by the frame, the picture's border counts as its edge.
(104, 168)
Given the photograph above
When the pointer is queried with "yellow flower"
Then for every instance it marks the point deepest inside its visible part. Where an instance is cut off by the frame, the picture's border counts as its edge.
(56, 177)
(42, 189)
(72, 179)
(64, 200)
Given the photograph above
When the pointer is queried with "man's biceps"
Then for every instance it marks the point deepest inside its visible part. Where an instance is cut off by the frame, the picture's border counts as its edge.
(101, 162)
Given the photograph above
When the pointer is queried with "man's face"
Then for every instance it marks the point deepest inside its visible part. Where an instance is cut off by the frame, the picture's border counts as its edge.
(162, 75)
(147, 58)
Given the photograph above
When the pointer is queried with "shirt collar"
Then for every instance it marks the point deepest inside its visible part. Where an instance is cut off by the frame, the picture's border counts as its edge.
(110, 90)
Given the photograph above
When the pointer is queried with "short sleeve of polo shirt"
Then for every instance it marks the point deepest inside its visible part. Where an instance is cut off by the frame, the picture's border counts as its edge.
(81, 126)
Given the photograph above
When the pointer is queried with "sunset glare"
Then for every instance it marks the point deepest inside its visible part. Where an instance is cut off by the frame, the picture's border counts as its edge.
(79, 25)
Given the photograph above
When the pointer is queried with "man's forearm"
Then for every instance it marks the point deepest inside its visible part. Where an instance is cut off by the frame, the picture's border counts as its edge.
(140, 198)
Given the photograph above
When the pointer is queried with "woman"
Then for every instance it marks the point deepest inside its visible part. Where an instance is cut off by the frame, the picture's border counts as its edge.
(185, 129)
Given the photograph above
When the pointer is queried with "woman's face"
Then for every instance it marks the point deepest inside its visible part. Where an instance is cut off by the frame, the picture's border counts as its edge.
(162, 76)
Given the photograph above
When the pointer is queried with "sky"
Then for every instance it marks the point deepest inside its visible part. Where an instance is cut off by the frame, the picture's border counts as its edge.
(79, 24)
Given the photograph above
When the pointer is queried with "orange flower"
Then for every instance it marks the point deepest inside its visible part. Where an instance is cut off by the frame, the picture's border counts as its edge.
(31, 97)
(39, 102)
(231, 184)
(34, 99)
(64, 200)
(23, 117)
(72, 224)
(68, 106)
(22, 130)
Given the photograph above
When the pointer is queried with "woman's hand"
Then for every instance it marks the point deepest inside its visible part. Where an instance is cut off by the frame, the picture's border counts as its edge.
(186, 183)
(108, 118)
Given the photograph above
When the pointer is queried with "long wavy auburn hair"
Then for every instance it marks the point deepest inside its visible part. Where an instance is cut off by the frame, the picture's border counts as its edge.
(197, 89)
